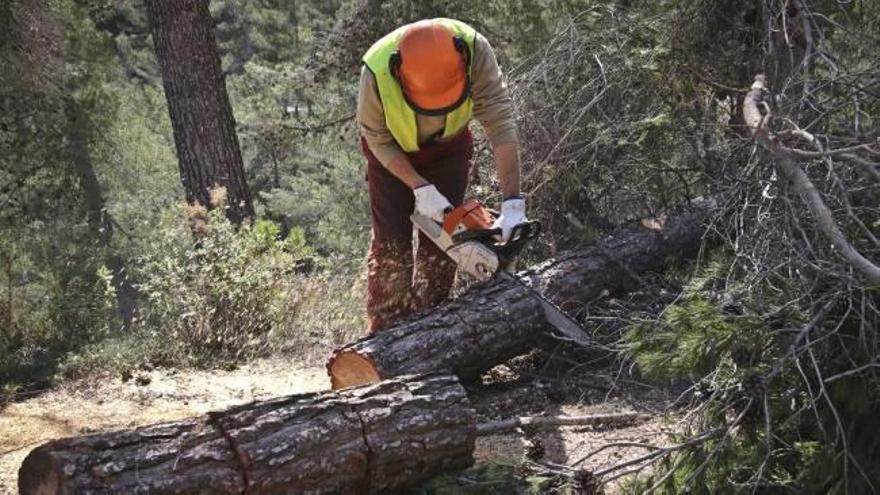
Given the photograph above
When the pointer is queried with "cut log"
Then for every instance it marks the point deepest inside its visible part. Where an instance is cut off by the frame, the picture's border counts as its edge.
(373, 439)
(492, 323)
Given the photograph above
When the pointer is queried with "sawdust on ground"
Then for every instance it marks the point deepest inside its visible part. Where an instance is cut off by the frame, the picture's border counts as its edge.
(521, 390)
(581, 447)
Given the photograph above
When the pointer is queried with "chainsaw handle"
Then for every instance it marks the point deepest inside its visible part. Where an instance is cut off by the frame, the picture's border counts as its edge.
(525, 231)
(519, 235)
(476, 235)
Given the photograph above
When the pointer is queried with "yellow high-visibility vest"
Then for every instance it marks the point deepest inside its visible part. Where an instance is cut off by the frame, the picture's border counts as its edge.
(400, 118)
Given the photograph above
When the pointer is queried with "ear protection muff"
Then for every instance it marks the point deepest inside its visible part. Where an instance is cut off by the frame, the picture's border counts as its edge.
(462, 47)
(394, 64)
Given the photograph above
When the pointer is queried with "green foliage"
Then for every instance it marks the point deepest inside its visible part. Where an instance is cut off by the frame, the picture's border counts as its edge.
(295, 303)
(798, 462)
(219, 297)
(484, 479)
(332, 203)
(816, 458)
(55, 298)
(136, 162)
(116, 352)
(45, 319)
(695, 336)
(714, 336)
(730, 463)
(53, 293)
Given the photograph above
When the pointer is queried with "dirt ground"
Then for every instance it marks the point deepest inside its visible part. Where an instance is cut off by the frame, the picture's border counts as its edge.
(151, 396)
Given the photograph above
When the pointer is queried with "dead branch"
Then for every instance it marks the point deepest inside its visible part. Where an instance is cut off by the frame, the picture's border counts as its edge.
(660, 452)
(824, 154)
(318, 127)
(537, 422)
(786, 165)
(872, 168)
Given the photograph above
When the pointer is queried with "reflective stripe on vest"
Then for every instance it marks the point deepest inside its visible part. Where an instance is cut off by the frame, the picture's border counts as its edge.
(400, 118)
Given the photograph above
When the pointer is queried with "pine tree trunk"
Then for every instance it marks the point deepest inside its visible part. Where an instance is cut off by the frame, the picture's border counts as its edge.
(376, 439)
(204, 127)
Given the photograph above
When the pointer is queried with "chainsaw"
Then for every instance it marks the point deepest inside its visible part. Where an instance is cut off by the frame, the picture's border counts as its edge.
(466, 235)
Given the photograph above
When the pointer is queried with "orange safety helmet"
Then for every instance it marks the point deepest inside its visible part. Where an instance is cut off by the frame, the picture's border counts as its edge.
(431, 64)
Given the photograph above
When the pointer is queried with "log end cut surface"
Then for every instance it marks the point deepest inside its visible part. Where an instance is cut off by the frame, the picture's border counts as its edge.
(40, 474)
(350, 369)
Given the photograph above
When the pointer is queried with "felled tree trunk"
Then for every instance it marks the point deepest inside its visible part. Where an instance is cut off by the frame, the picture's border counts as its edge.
(373, 439)
(489, 325)
(495, 322)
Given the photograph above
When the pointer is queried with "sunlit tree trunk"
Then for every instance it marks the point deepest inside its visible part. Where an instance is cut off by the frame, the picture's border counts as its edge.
(204, 127)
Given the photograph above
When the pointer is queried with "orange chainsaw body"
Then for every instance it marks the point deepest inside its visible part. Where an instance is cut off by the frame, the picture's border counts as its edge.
(469, 237)
(470, 216)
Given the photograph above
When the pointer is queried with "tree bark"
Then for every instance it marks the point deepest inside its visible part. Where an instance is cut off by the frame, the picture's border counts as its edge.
(374, 439)
(467, 336)
(204, 127)
(494, 322)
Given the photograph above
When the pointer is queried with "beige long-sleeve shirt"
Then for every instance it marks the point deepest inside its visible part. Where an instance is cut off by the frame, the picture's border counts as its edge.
(492, 107)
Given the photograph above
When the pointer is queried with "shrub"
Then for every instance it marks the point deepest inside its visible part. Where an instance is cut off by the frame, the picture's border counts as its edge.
(326, 311)
(61, 309)
(222, 295)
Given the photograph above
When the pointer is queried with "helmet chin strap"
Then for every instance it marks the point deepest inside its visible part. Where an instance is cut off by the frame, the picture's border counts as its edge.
(396, 61)
(465, 94)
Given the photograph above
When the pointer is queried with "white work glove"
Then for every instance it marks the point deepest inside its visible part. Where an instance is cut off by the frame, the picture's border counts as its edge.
(430, 203)
(513, 213)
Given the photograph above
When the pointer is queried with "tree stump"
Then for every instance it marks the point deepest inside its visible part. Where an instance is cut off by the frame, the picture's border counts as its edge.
(372, 439)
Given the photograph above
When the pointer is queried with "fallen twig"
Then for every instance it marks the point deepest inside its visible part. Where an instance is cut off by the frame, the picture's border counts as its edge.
(616, 419)
(703, 437)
